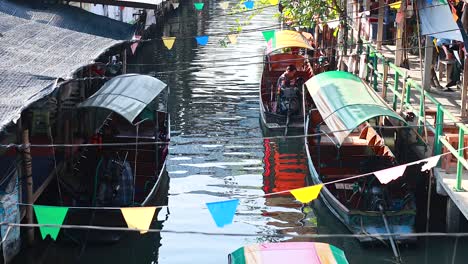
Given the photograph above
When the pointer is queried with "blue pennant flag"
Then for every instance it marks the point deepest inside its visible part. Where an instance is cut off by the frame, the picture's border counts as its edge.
(249, 4)
(223, 212)
(202, 40)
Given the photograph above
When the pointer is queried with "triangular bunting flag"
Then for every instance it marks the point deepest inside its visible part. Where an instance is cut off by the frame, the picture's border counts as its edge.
(138, 217)
(175, 5)
(268, 34)
(249, 4)
(431, 163)
(134, 46)
(224, 5)
(198, 6)
(223, 212)
(390, 174)
(168, 42)
(50, 215)
(307, 194)
(395, 5)
(454, 13)
(233, 38)
(202, 40)
(274, 2)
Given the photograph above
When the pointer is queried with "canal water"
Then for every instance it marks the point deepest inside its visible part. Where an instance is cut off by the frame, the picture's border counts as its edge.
(218, 151)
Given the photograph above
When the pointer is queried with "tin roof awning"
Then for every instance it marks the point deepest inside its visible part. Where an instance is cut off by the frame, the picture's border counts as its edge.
(127, 95)
(287, 39)
(345, 102)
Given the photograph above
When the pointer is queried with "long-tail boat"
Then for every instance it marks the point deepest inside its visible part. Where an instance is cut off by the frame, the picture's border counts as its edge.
(128, 126)
(288, 252)
(349, 132)
(284, 49)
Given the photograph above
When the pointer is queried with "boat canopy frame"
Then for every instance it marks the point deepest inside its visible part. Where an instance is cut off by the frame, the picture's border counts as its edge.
(345, 102)
(127, 95)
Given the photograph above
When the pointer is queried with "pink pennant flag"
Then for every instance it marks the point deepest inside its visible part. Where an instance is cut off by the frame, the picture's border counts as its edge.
(134, 46)
(431, 163)
(387, 175)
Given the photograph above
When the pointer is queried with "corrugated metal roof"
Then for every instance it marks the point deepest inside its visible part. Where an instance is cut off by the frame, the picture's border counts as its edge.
(39, 46)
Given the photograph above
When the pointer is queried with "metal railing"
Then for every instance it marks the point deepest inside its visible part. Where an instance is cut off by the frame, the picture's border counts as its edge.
(403, 96)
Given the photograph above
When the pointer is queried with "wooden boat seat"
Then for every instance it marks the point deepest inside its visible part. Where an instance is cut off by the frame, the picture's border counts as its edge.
(279, 62)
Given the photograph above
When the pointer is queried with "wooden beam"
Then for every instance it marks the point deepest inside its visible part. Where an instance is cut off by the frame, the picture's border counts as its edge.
(399, 53)
(428, 52)
(27, 166)
(380, 24)
(119, 3)
(464, 92)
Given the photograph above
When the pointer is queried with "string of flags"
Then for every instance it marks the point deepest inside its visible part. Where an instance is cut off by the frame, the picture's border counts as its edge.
(222, 212)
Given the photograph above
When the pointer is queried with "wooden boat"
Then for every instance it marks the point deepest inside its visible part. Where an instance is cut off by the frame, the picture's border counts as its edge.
(276, 60)
(128, 169)
(288, 252)
(342, 143)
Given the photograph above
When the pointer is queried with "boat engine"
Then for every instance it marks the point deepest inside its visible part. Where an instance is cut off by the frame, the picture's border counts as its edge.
(290, 103)
(376, 198)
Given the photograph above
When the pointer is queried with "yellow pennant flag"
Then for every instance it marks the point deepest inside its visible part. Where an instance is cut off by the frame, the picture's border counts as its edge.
(307, 194)
(224, 5)
(233, 38)
(395, 5)
(138, 217)
(168, 42)
(274, 2)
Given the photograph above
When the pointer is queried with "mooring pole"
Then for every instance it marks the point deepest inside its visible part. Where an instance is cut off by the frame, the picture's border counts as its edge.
(27, 168)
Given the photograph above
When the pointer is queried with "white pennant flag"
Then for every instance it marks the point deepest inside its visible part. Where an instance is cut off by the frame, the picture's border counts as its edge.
(431, 163)
(175, 5)
(390, 174)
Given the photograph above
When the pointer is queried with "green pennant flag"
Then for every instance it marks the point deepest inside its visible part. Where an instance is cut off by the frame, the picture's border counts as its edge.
(50, 215)
(268, 34)
(198, 6)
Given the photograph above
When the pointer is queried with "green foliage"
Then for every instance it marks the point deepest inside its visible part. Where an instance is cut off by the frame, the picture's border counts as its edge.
(304, 13)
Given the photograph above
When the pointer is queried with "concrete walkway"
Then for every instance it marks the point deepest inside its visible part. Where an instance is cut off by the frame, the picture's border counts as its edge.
(446, 177)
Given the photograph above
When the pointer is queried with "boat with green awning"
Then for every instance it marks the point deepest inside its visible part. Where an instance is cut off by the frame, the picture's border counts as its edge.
(352, 131)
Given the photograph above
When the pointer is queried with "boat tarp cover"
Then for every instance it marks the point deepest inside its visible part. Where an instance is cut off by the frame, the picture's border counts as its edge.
(39, 45)
(287, 39)
(436, 20)
(345, 102)
(288, 252)
(127, 95)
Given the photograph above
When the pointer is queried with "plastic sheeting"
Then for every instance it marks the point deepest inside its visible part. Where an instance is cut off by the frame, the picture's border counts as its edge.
(437, 21)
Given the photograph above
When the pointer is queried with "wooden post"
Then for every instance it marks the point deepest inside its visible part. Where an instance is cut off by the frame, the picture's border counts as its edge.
(464, 92)
(380, 24)
(384, 80)
(428, 50)
(403, 93)
(400, 35)
(124, 61)
(452, 217)
(27, 167)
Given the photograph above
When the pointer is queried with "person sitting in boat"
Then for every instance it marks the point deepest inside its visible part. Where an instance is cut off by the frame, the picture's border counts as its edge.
(287, 92)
